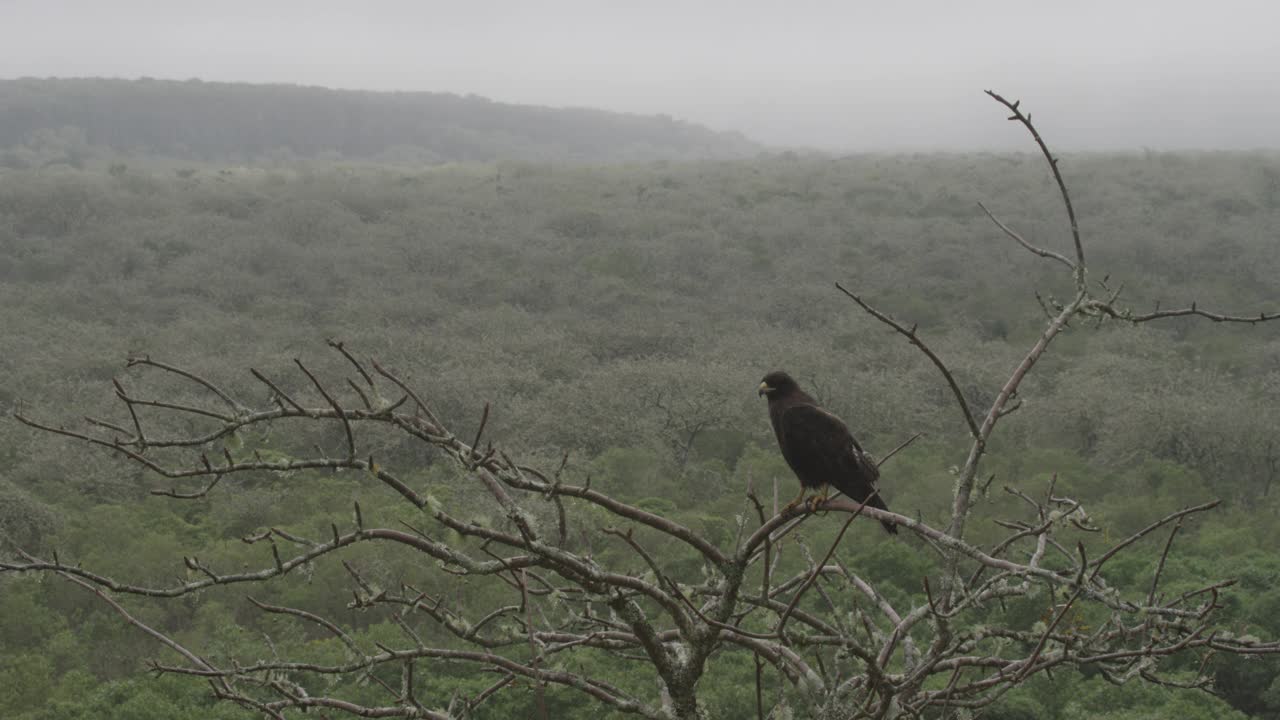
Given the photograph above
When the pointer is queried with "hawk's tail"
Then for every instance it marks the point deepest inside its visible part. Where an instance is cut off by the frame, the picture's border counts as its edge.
(876, 502)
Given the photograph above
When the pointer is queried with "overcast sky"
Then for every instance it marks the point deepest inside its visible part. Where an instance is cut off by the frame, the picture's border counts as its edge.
(853, 75)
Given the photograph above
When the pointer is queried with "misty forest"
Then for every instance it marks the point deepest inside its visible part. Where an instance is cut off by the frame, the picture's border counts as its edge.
(344, 404)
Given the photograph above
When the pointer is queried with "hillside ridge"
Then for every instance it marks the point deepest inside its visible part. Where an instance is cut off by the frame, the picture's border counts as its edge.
(243, 122)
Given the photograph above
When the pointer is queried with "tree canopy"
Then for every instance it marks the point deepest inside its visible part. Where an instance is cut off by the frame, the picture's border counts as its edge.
(626, 314)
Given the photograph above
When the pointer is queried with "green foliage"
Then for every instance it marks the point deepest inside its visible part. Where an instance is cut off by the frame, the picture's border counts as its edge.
(625, 315)
(79, 697)
(1137, 701)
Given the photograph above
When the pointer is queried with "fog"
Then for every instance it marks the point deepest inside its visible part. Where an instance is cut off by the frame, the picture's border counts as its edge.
(835, 75)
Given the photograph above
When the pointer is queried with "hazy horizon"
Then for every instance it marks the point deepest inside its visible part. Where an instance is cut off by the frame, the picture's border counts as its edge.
(833, 76)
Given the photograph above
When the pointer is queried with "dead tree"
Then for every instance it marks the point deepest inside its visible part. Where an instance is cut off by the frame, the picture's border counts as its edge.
(842, 647)
(686, 418)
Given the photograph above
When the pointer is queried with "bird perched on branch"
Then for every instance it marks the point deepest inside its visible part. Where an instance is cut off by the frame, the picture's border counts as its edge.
(819, 447)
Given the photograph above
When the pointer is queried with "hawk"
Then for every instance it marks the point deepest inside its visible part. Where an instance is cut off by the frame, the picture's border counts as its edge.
(819, 447)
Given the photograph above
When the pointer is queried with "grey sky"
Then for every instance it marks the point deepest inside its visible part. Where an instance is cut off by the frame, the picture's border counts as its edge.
(859, 75)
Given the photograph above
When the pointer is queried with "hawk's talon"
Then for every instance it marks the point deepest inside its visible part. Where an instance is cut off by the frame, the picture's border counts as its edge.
(792, 505)
(813, 502)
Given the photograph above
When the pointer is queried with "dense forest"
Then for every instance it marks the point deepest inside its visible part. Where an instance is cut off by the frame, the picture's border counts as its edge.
(69, 120)
(624, 314)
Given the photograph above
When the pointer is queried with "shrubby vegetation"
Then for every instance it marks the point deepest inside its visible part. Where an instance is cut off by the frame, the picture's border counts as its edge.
(626, 314)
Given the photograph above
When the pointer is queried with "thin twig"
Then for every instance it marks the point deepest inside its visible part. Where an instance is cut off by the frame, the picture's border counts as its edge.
(1155, 578)
(1022, 241)
(146, 360)
(346, 423)
(1018, 116)
(914, 338)
(340, 347)
(279, 393)
(901, 446)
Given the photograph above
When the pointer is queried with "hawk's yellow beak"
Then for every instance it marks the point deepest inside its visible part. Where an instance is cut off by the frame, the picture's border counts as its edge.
(764, 389)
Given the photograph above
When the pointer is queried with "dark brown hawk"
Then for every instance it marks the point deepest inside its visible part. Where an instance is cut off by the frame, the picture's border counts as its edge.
(819, 447)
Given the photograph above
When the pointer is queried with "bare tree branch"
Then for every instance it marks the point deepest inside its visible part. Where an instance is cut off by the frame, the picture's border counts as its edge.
(1023, 242)
(551, 607)
(914, 338)
(1018, 116)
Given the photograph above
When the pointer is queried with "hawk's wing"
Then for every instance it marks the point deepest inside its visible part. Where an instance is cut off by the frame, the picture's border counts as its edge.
(821, 450)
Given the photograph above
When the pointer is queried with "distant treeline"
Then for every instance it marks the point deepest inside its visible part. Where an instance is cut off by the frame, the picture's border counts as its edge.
(237, 122)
